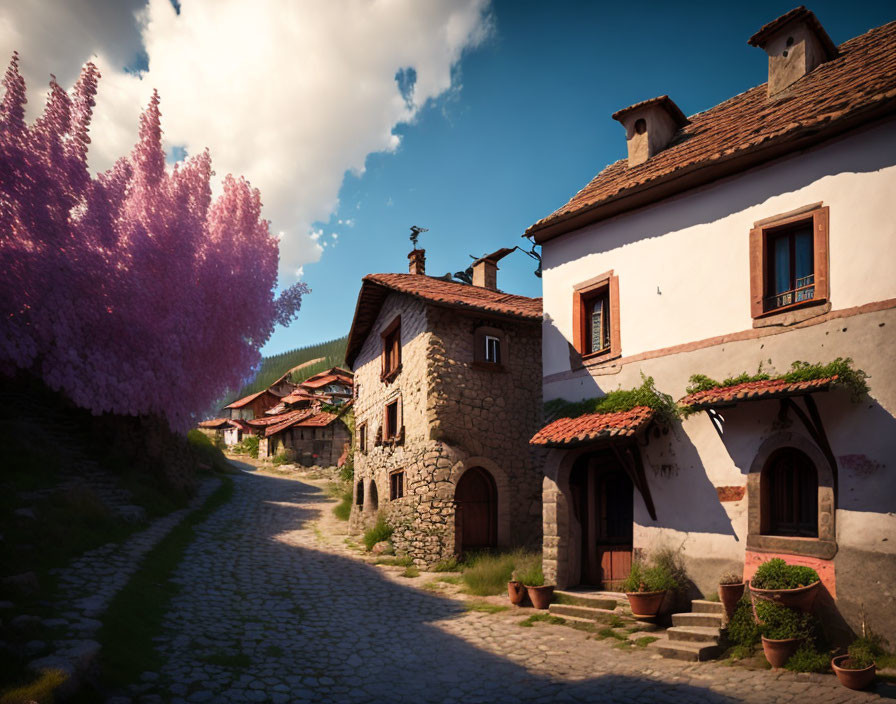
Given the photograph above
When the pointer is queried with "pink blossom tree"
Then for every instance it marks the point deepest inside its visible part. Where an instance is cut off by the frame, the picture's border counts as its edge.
(133, 292)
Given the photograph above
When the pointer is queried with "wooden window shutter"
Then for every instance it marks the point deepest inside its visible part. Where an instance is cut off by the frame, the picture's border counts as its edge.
(578, 322)
(757, 272)
(615, 348)
(820, 225)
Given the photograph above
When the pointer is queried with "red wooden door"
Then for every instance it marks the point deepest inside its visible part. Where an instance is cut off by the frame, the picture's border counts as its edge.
(476, 511)
(602, 499)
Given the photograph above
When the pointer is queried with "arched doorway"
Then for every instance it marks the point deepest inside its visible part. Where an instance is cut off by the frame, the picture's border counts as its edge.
(373, 499)
(475, 511)
(602, 505)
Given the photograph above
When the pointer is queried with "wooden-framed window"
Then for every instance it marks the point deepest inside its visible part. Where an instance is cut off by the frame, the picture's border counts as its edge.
(490, 351)
(595, 320)
(362, 438)
(391, 350)
(789, 265)
(392, 430)
(396, 485)
(790, 495)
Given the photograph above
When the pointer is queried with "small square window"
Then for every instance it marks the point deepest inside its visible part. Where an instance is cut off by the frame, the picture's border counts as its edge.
(396, 485)
(492, 349)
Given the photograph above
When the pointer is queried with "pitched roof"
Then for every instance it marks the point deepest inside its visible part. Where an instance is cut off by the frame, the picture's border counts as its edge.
(449, 294)
(754, 391)
(313, 419)
(239, 403)
(213, 423)
(318, 380)
(855, 87)
(298, 395)
(568, 432)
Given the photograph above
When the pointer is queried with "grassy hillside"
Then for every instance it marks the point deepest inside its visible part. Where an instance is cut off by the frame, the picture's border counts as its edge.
(311, 360)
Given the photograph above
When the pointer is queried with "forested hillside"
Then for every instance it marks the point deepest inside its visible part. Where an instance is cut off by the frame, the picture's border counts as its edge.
(310, 360)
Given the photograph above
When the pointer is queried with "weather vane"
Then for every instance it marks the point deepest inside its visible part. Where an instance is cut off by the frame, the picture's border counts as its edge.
(415, 233)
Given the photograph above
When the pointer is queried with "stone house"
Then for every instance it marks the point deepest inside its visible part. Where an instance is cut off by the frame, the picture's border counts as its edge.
(758, 232)
(306, 435)
(447, 396)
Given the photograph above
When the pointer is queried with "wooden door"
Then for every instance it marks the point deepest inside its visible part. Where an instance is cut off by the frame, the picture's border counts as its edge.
(602, 496)
(476, 511)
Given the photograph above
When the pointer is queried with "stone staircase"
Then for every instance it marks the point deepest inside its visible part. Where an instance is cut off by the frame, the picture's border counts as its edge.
(694, 635)
(587, 607)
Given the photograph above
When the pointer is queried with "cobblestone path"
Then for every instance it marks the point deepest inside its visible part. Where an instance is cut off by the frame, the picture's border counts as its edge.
(273, 609)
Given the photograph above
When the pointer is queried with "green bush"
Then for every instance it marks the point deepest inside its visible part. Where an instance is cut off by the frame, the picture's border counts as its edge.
(742, 630)
(781, 623)
(279, 458)
(531, 575)
(808, 659)
(864, 652)
(344, 508)
(250, 442)
(777, 574)
(650, 577)
(381, 531)
(449, 565)
(620, 400)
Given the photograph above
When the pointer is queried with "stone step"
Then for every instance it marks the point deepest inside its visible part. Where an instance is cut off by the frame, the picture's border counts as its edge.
(698, 619)
(596, 600)
(685, 650)
(595, 615)
(694, 634)
(704, 606)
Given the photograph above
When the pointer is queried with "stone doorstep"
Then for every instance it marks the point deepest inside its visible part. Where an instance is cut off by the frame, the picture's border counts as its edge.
(707, 607)
(587, 612)
(694, 634)
(591, 597)
(697, 619)
(685, 650)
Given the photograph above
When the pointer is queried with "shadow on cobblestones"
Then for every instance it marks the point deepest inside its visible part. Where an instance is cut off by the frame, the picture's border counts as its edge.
(265, 615)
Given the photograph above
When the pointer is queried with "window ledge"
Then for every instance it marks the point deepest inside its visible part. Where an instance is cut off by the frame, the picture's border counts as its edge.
(807, 547)
(391, 376)
(489, 367)
(791, 315)
(597, 359)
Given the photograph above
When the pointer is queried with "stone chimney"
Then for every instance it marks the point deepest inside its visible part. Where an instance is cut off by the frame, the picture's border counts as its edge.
(417, 261)
(485, 269)
(649, 127)
(795, 43)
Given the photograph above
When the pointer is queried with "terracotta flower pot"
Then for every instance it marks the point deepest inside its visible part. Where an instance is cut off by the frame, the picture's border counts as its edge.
(778, 652)
(800, 598)
(852, 679)
(646, 604)
(730, 594)
(517, 592)
(540, 596)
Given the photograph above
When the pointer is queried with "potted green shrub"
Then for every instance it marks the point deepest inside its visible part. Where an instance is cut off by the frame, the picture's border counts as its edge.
(782, 630)
(515, 590)
(856, 669)
(731, 589)
(539, 593)
(793, 586)
(646, 587)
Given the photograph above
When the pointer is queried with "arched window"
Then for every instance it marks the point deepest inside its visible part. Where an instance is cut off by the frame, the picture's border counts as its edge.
(790, 494)
(359, 493)
(373, 499)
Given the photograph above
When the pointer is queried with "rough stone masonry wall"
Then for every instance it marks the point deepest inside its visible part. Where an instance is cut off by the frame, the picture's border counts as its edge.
(491, 415)
(454, 417)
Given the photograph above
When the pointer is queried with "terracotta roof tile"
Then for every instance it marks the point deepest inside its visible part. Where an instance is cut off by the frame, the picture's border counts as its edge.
(753, 390)
(858, 84)
(566, 432)
(316, 383)
(306, 419)
(461, 295)
(452, 294)
(213, 423)
(239, 403)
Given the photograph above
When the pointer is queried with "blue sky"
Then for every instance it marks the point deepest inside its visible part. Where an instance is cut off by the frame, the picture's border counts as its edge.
(527, 127)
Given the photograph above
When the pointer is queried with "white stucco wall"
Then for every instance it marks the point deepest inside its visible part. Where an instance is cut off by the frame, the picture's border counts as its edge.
(693, 249)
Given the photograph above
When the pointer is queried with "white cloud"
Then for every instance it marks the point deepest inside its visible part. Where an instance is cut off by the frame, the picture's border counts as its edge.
(290, 95)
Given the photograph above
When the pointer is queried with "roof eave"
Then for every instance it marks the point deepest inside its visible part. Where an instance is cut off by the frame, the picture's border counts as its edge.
(700, 174)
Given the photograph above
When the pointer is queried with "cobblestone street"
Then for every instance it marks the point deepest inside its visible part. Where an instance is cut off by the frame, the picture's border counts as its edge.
(275, 608)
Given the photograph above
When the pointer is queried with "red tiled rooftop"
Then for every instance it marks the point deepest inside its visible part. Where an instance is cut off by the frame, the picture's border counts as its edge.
(305, 419)
(451, 294)
(316, 383)
(565, 432)
(213, 423)
(856, 86)
(753, 390)
(239, 403)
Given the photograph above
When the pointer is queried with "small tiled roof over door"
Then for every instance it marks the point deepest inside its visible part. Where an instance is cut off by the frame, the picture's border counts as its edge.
(570, 432)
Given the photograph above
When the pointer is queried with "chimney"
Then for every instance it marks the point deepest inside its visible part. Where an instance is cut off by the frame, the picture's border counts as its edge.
(649, 127)
(485, 269)
(795, 43)
(417, 261)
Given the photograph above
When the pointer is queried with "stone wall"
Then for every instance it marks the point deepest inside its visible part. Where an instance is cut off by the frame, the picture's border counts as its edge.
(454, 416)
(321, 446)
